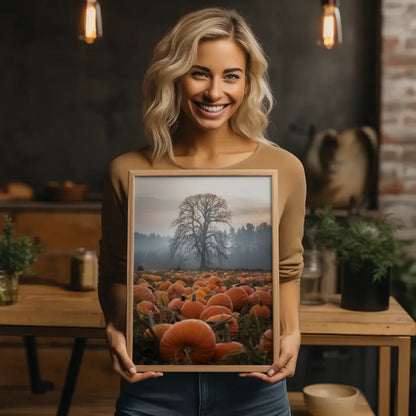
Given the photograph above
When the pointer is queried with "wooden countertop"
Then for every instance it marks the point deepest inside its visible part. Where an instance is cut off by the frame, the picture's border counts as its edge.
(52, 310)
(54, 306)
(330, 318)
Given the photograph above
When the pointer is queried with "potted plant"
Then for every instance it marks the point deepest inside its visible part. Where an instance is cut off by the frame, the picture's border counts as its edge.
(366, 249)
(16, 256)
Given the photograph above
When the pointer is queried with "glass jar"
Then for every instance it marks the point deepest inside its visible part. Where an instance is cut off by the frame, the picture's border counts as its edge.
(8, 287)
(84, 270)
(311, 288)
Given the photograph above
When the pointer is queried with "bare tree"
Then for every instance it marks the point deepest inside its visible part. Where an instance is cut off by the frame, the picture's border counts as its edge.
(196, 227)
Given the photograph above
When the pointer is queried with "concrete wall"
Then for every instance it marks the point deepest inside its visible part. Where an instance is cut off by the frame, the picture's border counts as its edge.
(68, 108)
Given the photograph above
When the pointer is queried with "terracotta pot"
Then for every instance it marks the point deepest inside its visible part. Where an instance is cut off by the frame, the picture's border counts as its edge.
(359, 292)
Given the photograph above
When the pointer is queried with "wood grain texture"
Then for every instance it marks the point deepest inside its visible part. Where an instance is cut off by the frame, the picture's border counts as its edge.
(53, 306)
(332, 319)
(298, 407)
(18, 401)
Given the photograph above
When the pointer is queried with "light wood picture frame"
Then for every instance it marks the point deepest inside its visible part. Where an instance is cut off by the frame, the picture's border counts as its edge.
(203, 275)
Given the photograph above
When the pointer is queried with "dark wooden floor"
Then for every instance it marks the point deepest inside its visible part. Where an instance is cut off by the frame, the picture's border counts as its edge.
(19, 401)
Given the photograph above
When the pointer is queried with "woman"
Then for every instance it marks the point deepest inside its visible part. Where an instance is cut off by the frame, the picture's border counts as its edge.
(206, 102)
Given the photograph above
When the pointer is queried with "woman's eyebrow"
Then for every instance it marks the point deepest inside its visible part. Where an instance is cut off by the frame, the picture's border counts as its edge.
(226, 71)
(204, 68)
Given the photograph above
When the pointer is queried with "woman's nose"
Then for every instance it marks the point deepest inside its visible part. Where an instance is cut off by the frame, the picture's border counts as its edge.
(213, 92)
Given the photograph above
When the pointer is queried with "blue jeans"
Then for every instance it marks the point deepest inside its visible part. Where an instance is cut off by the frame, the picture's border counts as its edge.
(202, 394)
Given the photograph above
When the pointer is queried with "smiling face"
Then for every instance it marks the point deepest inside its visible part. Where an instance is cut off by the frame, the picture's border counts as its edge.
(213, 89)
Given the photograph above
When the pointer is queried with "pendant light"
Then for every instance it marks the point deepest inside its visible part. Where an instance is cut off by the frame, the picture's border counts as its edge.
(91, 27)
(330, 32)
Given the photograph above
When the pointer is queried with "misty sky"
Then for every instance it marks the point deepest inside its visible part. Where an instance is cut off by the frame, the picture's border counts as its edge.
(157, 199)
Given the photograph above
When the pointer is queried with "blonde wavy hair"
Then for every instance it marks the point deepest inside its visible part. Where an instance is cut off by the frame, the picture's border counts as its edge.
(173, 57)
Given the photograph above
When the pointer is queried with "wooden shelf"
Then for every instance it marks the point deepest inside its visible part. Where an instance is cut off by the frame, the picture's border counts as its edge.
(46, 206)
(298, 407)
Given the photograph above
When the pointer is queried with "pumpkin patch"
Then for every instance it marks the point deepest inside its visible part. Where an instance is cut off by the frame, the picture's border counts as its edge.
(202, 317)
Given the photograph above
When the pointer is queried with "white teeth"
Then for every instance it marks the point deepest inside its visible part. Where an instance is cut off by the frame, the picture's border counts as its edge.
(212, 109)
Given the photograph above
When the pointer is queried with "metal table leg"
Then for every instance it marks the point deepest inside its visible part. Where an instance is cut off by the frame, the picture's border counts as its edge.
(37, 385)
(71, 376)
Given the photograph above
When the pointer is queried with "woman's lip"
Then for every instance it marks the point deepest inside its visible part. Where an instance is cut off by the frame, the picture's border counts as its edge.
(210, 105)
(209, 114)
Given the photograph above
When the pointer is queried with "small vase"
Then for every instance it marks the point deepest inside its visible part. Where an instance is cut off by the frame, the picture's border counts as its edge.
(311, 290)
(8, 287)
(359, 292)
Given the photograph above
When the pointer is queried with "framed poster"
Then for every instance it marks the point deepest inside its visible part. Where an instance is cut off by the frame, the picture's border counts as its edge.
(203, 284)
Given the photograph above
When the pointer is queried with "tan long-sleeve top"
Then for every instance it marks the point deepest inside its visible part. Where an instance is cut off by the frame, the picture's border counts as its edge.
(291, 208)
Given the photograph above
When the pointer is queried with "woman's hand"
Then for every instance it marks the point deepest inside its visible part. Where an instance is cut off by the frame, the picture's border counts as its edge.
(122, 363)
(285, 366)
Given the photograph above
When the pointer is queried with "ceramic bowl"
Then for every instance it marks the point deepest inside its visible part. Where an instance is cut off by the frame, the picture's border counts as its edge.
(67, 191)
(330, 399)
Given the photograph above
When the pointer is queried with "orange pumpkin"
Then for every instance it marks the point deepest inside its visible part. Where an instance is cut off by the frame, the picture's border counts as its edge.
(190, 341)
(238, 297)
(214, 310)
(249, 290)
(156, 278)
(199, 294)
(218, 323)
(266, 342)
(215, 280)
(176, 290)
(221, 299)
(188, 290)
(226, 347)
(176, 303)
(141, 292)
(145, 306)
(161, 297)
(164, 285)
(191, 309)
(260, 310)
(261, 296)
(157, 331)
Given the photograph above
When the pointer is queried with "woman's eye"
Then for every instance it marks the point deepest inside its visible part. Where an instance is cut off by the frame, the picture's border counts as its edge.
(199, 74)
(232, 76)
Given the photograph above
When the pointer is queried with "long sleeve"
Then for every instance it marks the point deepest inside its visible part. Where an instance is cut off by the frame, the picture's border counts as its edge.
(113, 242)
(291, 224)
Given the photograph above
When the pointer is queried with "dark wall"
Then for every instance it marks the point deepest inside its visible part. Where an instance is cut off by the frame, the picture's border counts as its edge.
(68, 108)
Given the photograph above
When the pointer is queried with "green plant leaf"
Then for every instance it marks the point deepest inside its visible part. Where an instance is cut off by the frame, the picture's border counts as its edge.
(16, 255)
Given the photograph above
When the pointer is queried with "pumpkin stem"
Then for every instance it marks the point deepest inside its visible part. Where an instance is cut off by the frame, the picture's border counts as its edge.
(187, 350)
(221, 322)
(259, 300)
(209, 294)
(151, 320)
(227, 334)
(193, 298)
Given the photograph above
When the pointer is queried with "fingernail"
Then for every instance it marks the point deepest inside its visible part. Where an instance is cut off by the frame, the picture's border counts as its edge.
(132, 370)
(270, 373)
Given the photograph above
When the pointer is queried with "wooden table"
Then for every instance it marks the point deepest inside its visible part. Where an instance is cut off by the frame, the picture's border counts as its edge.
(331, 325)
(54, 311)
(51, 311)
